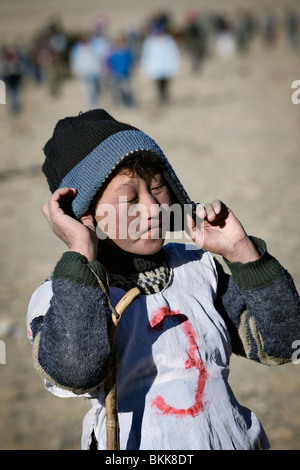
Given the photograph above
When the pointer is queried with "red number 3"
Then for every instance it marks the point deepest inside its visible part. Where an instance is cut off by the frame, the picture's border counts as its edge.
(193, 360)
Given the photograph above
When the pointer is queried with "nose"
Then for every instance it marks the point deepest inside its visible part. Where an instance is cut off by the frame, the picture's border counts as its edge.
(147, 209)
(149, 206)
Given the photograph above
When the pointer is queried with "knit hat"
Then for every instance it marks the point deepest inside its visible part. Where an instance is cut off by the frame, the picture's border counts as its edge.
(85, 149)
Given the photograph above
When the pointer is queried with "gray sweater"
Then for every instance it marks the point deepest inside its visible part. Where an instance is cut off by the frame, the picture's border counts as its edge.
(258, 301)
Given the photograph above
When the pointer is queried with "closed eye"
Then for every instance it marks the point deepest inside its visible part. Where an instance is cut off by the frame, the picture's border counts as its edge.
(133, 200)
(158, 187)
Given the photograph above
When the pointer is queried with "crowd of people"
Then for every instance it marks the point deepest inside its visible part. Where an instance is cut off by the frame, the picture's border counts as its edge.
(103, 62)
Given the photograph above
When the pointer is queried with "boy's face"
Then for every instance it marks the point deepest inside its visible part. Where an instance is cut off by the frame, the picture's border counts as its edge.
(133, 212)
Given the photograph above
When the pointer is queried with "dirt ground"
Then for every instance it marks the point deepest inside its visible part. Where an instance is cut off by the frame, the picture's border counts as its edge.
(231, 132)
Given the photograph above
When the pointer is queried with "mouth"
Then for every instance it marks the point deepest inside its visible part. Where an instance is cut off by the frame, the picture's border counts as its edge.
(153, 231)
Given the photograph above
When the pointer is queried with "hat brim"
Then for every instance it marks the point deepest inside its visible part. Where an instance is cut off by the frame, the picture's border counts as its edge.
(89, 175)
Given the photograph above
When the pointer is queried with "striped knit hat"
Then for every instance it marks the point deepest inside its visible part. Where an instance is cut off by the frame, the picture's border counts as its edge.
(84, 151)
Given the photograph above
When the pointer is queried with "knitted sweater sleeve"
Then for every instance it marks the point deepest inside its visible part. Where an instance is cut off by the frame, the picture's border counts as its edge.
(71, 340)
(260, 305)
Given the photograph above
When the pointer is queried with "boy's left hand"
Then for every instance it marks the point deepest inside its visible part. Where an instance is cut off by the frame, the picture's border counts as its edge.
(219, 231)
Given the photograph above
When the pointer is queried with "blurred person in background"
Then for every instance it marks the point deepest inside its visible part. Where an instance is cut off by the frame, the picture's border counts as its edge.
(160, 58)
(12, 73)
(270, 29)
(195, 39)
(225, 38)
(86, 67)
(121, 65)
(101, 45)
(49, 56)
(293, 29)
(244, 30)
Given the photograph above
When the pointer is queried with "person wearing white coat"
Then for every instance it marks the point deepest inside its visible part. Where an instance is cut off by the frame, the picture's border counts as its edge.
(160, 60)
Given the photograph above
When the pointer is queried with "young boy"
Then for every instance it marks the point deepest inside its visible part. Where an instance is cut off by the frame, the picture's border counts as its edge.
(112, 188)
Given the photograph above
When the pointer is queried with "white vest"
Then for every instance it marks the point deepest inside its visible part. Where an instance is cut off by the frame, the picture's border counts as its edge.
(174, 349)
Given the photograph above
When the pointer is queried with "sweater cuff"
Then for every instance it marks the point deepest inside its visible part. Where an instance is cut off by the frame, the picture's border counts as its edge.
(259, 273)
(74, 266)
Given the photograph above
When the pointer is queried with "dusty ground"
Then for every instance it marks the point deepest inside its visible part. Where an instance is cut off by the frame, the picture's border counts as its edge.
(231, 132)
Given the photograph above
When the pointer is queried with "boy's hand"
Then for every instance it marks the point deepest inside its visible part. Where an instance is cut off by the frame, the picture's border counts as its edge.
(219, 231)
(80, 235)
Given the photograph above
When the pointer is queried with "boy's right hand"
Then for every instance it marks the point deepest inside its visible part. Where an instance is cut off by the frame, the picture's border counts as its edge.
(78, 235)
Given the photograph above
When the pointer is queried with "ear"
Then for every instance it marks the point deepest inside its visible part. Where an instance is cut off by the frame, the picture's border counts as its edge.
(89, 214)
